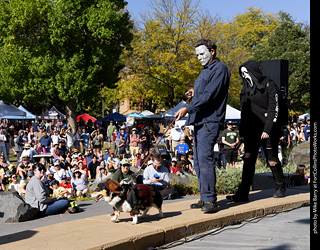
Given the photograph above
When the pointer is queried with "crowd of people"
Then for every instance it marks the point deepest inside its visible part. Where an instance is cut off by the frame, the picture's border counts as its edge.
(71, 162)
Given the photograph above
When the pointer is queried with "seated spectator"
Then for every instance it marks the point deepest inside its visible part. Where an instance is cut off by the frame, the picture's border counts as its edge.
(79, 183)
(65, 184)
(81, 158)
(15, 185)
(59, 172)
(37, 195)
(124, 174)
(23, 167)
(158, 175)
(47, 180)
(184, 158)
(84, 171)
(174, 169)
(113, 162)
(28, 150)
(56, 152)
(58, 191)
(183, 169)
(101, 174)
(106, 155)
(92, 167)
(140, 161)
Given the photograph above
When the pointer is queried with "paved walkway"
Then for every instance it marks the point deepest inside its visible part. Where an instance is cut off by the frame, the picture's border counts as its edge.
(180, 221)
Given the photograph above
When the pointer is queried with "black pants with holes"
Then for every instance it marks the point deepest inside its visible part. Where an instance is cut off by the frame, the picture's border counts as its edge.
(252, 143)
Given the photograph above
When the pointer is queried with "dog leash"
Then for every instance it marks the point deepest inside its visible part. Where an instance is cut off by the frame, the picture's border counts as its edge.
(148, 157)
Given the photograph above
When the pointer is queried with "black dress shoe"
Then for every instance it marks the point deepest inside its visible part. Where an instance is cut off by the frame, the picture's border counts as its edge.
(237, 198)
(210, 207)
(279, 193)
(199, 204)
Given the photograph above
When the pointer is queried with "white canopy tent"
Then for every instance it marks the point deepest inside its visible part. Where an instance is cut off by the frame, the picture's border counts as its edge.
(150, 114)
(231, 113)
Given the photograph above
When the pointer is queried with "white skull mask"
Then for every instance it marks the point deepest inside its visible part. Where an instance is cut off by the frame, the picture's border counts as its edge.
(203, 54)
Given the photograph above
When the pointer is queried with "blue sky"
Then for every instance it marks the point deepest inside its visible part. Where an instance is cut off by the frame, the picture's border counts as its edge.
(298, 9)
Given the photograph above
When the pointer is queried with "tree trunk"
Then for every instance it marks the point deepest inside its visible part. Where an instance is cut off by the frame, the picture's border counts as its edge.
(71, 115)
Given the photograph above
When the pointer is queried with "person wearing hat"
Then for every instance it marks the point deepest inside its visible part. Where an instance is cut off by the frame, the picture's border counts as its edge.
(230, 139)
(24, 166)
(28, 151)
(59, 172)
(174, 168)
(175, 136)
(102, 173)
(65, 184)
(124, 174)
(79, 183)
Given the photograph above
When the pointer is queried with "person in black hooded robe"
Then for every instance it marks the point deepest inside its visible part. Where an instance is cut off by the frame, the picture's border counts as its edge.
(259, 126)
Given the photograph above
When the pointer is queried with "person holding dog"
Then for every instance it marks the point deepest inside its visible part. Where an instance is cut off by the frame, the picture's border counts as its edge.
(207, 113)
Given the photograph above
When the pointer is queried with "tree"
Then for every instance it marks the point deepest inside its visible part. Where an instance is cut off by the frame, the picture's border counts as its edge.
(290, 41)
(161, 63)
(235, 40)
(62, 48)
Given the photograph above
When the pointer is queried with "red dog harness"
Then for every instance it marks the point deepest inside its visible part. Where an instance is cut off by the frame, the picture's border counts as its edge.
(145, 193)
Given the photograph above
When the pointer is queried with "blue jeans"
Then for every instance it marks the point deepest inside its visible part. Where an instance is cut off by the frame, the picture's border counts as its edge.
(205, 137)
(57, 207)
(4, 150)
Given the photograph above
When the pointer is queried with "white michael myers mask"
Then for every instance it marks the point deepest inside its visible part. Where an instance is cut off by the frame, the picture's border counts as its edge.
(203, 54)
(246, 76)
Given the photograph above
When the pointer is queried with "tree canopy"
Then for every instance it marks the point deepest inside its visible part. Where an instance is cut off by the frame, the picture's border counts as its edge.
(72, 53)
(61, 49)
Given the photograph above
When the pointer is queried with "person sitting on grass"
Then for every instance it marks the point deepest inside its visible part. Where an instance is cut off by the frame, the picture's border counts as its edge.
(15, 185)
(24, 166)
(65, 184)
(79, 183)
(37, 195)
(59, 192)
(101, 174)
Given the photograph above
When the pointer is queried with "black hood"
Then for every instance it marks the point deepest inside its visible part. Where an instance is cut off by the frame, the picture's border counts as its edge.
(253, 67)
(256, 76)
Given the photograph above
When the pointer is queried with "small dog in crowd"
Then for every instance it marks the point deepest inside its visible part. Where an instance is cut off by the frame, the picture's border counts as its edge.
(130, 198)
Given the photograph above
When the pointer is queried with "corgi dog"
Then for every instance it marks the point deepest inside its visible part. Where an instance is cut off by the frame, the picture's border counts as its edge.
(130, 198)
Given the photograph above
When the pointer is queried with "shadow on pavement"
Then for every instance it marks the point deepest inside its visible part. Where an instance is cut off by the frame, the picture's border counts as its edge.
(17, 236)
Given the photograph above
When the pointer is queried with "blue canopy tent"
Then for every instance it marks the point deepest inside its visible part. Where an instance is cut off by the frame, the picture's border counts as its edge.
(115, 116)
(28, 115)
(10, 110)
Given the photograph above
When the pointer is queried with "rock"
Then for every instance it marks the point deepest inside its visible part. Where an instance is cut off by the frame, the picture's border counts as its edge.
(14, 208)
(300, 154)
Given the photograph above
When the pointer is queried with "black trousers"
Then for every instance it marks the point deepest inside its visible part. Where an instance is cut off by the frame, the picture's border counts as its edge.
(252, 143)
